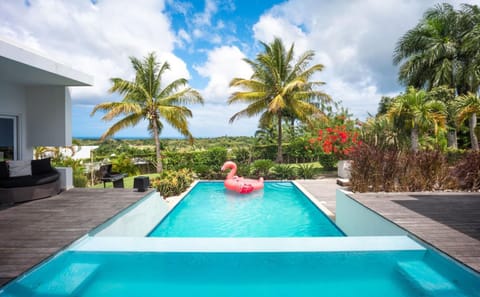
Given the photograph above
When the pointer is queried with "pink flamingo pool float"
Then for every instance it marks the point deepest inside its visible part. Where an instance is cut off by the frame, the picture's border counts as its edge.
(240, 184)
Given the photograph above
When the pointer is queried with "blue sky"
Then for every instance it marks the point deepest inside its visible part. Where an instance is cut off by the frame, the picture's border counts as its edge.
(205, 42)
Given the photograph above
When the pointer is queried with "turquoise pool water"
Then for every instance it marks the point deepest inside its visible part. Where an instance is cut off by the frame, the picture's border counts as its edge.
(279, 210)
(326, 274)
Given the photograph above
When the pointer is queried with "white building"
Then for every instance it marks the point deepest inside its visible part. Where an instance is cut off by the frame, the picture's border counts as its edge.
(35, 103)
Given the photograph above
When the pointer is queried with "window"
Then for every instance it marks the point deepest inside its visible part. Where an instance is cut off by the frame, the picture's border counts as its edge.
(8, 138)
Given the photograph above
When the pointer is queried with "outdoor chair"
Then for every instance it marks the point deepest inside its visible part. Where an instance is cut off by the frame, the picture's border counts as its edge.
(114, 177)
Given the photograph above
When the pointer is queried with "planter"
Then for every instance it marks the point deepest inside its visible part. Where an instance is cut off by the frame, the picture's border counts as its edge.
(343, 167)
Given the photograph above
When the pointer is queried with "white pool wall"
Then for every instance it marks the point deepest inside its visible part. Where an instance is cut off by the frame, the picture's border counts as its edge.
(357, 220)
(140, 218)
(137, 220)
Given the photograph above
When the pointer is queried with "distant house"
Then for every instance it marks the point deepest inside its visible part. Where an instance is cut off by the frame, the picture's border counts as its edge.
(35, 103)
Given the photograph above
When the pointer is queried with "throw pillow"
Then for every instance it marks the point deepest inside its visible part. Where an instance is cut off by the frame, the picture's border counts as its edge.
(41, 166)
(19, 168)
(3, 170)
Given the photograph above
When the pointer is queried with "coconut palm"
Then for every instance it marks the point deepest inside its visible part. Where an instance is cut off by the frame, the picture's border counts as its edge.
(145, 99)
(469, 54)
(418, 114)
(428, 52)
(279, 85)
(468, 106)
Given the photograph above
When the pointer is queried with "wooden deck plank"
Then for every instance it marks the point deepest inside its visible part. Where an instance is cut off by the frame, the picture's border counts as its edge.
(33, 231)
(448, 221)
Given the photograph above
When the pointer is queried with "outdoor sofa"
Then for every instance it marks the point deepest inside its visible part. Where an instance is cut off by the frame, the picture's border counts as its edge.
(22, 181)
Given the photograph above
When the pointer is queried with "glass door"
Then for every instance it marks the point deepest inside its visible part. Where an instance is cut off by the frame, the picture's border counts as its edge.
(8, 138)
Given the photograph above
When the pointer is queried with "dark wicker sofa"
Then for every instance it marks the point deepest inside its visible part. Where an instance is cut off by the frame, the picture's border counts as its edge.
(43, 182)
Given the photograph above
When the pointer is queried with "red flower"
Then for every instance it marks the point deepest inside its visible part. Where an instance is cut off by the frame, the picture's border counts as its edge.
(338, 140)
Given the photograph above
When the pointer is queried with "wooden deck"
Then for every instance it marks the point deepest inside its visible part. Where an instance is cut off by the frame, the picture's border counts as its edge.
(33, 231)
(448, 221)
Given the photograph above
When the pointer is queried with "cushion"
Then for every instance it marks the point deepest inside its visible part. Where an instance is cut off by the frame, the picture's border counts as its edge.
(4, 170)
(19, 168)
(41, 166)
(30, 180)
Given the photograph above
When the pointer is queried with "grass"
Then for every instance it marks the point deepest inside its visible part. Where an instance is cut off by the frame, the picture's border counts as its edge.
(128, 181)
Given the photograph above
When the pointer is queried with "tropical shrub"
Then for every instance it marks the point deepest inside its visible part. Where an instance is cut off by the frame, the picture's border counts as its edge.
(124, 164)
(243, 170)
(328, 161)
(215, 156)
(261, 168)
(241, 155)
(79, 180)
(172, 183)
(306, 171)
(373, 168)
(265, 152)
(376, 169)
(283, 171)
(467, 172)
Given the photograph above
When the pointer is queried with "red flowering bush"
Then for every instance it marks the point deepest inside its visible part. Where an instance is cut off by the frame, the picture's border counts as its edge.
(337, 140)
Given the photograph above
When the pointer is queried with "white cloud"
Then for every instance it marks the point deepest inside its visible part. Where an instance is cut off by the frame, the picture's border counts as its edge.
(96, 39)
(353, 39)
(205, 18)
(223, 64)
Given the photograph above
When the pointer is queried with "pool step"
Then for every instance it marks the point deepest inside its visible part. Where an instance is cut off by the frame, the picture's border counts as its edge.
(67, 281)
(427, 279)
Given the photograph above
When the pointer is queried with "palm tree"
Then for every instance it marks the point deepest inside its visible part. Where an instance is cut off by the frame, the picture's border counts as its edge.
(145, 99)
(417, 113)
(468, 106)
(442, 50)
(279, 85)
(428, 52)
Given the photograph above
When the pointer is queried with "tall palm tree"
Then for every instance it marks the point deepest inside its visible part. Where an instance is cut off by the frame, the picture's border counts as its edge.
(468, 106)
(469, 54)
(279, 85)
(145, 99)
(418, 114)
(442, 50)
(428, 52)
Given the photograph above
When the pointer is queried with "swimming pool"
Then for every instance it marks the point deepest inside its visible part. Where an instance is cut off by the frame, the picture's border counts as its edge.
(118, 259)
(317, 273)
(279, 210)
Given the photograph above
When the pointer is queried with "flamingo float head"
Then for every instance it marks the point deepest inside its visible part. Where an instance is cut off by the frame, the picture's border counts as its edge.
(229, 165)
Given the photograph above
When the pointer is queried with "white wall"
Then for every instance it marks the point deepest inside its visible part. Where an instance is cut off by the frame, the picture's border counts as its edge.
(356, 220)
(13, 103)
(49, 116)
(137, 220)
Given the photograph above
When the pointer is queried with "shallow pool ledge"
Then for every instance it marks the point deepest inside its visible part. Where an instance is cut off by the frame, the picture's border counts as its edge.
(307, 244)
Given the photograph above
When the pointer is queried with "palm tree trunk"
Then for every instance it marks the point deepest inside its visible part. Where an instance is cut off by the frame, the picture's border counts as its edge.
(414, 138)
(279, 140)
(452, 139)
(157, 146)
(473, 137)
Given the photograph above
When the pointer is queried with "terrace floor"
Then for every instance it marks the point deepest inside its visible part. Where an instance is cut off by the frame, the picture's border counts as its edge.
(33, 231)
(449, 221)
